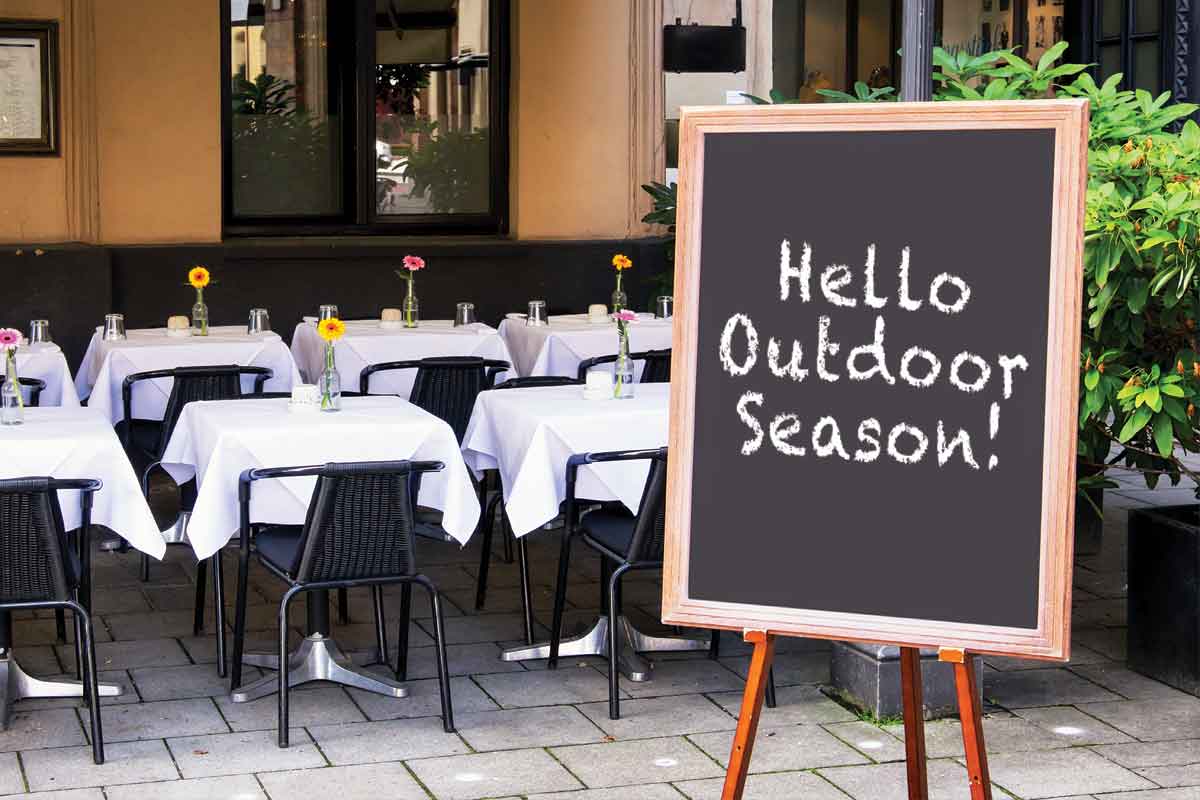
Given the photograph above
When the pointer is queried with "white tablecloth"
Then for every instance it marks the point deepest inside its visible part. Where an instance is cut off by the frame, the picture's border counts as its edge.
(217, 440)
(47, 362)
(528, 434)
(106, 365)
(557, 348)
(366, 343)
(80, 443)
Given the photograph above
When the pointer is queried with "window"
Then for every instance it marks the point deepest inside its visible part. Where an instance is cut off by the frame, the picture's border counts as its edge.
(365, 116)
(1129, 40)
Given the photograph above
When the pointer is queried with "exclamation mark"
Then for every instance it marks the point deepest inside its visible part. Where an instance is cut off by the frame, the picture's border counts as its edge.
(993, 429)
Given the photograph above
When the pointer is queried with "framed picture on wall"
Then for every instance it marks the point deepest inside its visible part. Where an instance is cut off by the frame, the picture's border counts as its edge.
(28, 87)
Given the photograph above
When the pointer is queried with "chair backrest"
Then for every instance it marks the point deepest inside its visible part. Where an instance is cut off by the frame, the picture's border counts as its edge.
(360, 522)
(445, 387)
(536, 381)
(35, 386)
(36, 562)
(649, 530)
(656, 365)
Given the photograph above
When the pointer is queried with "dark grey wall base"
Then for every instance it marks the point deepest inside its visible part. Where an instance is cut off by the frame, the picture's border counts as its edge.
(868, 676)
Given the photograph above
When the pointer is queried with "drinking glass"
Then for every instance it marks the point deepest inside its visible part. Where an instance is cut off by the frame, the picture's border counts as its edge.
(260, 321)
(664, 307)
(537, 313)
(464, 314)
(39, 332)
(114, 327)
(327, 312)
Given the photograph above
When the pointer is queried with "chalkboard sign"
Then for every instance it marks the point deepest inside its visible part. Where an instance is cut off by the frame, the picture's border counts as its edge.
(875, 372)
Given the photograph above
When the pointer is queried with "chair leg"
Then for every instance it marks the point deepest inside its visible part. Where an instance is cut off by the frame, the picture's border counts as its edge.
(283, 660)
(614, 642)
(526, 592)
(201, 590)
(380, 624)
(91, 682)
(485, 561)
(439, 641)
(771, 688)
(145, 568)
(218, 571)
(508, 545)
(343, 606)
(239, 622)
(60, 625)
(714, 646)
(402, 634)
(560, 599)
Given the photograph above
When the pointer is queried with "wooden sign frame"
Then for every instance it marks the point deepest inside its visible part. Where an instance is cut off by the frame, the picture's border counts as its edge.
(1069, 121)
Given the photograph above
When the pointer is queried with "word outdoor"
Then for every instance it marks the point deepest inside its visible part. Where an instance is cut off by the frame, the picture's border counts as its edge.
(868, 364)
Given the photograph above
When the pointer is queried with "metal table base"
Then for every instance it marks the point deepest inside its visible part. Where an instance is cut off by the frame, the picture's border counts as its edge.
(17, 684)
(595, 643)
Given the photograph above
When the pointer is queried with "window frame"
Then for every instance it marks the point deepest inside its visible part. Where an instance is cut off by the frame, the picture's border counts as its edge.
(1126, 40)
(360, 217)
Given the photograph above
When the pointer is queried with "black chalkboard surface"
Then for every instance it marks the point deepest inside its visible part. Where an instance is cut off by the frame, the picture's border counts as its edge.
(875, 368)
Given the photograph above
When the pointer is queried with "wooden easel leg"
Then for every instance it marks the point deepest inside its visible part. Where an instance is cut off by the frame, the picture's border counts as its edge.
(914, 723)
(752, 702)
(971, 714)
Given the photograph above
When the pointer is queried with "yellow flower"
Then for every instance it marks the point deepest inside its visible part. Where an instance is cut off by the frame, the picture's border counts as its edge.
(331, 329)
(621, 262)
(198, 277)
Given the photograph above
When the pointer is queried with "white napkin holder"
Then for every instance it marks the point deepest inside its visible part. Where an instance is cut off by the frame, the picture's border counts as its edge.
(598, 314)
(179, 327)
(306, 398)
(391, 319)
(599, 385)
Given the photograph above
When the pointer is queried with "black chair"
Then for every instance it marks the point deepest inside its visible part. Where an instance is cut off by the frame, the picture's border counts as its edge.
(359, 532)
(625, 542)
(40, 567)
(656, 365)
(497, 502)
(35, 386)
(145, 441)
(445, 387)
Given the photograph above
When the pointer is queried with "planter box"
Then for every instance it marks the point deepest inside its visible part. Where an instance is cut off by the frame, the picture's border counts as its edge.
(1164, 595)
(868, 677)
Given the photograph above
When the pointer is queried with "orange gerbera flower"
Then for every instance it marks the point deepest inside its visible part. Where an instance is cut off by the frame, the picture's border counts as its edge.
(198, 277)
(621, 262)
(331, 329)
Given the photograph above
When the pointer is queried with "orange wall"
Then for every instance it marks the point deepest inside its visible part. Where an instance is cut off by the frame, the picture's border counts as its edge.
(33, 191)
(159, 118)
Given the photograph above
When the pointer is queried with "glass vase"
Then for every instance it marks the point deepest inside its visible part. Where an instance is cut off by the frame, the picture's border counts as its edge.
(619, 298)
(412, 307)
(330, 383)
(623, 366)
(12, 405)
(200, 315)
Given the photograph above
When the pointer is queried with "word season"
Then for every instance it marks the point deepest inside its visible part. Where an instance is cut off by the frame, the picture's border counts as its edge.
(918, 367)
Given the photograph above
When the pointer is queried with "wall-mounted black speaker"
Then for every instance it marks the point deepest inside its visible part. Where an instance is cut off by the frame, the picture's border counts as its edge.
(705, 48)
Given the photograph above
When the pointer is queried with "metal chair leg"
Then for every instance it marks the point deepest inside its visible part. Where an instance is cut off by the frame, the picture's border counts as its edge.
(714, 647)
(343, 606)
(380, 624)
(145, 568)
(526, 591)
(218, 571)
(560, 599)
(439, 641)
(771, 688)
(614, 642)
(402, 634)
(283, 665)
(60, 625)
(201, 589)
(239, 622)
(91, 681)
(485, 561)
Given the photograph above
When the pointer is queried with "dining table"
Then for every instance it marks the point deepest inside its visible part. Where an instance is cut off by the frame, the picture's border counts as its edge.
(64, 442)
(557, 348)
(528, 434)
(106, 364)
(46, 362)
(214, 441)
(371, 341)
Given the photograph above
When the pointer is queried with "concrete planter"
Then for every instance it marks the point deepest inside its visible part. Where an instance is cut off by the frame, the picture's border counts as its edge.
(868, 677)
(1164, 595)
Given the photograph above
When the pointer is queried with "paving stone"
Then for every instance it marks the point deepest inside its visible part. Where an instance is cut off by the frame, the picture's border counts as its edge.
(1080, 655)
(233, 787)
(1072, 726)
(776, 786)
(388, 740)
(484, 628)
(243, 752)
(1127, 683)
(498, 774)
(527, 727)
(684, 677)
(41, 660)
(10, 774)
(72, 767)
(462, 659)
(152, 625)
(162, 720)
(1042, 687)
(870, 740)
(68, 794)
(118, 678)
(790, 668)
(1061, 772)
(44, 631)
(1151, 720)
(323, 704)
(1174, 763)
(787, 748)
(185, 681)
(654, 791)
(362, 782)
(131, 655)
(1003, 734)
(637, 762)
(203, 649)
(1154, 794)
(1109, 642)
(796, 705)
(424, 700)
(30, 730)
(546, 687)
(661, 716)
(947, 781)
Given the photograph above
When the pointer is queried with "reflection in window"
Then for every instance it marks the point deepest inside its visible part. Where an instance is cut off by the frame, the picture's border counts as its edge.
(432, 145)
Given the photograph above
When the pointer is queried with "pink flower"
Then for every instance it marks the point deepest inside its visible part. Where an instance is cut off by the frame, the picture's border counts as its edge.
(10, 338)
(625, 315)
(414, 263)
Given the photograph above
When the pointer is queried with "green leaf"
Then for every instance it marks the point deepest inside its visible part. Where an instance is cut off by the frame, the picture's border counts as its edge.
(1164, 437)
(1137, 420)
(1091, 379)
(1051, 55)
(1152, 399)
(1172, 390)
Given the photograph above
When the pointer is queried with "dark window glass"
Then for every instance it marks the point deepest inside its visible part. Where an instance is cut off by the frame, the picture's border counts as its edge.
(1111, 14)
(1147, 16)
(1109, 60)
(1147, 65)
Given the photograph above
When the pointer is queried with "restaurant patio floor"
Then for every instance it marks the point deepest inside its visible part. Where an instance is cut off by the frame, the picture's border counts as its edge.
(1090, 729)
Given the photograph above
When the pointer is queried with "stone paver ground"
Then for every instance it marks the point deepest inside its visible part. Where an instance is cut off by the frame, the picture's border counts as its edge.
(1090, 730)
